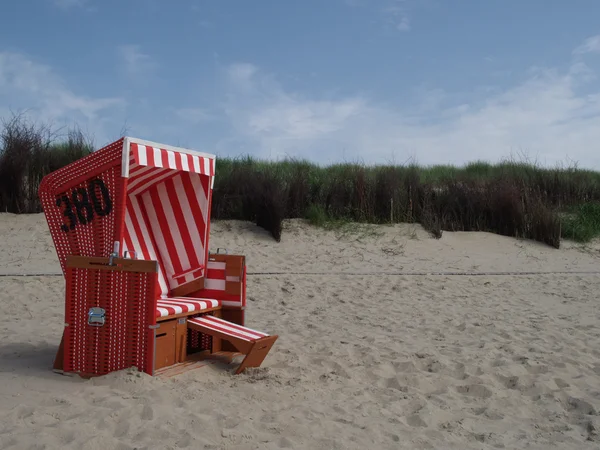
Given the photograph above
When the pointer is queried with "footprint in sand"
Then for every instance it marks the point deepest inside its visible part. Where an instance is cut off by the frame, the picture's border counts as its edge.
(405, 366)
(184, 441)
(510, 382)
(415, 421)
(395, 438)
(431, 365)
(474, 390)
(458, 372)
(537, 369)
(66, 436)
(393, 383)
(122, 428)
(580, 406)
(147, 413)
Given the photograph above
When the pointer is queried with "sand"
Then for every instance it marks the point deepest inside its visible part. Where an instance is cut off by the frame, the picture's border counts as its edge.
(384, 343)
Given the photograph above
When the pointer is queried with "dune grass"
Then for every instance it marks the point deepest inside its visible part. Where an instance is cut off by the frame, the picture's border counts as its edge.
(511, 198)
(28, 152)
(582, 222)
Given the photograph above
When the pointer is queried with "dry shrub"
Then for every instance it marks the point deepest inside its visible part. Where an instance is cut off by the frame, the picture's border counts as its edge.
(511, 199)
(27, 154)
(269, 202)
(496, 206)
(299, 193)
(247, 191)
(22, 164)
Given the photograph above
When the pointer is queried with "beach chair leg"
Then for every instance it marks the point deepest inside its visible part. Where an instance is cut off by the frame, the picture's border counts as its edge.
(257, 354)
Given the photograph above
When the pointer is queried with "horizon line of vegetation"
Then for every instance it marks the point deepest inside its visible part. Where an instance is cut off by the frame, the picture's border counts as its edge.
(513, 198)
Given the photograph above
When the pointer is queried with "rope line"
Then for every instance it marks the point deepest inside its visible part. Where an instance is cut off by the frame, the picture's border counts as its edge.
(433, 273)
(400, 274)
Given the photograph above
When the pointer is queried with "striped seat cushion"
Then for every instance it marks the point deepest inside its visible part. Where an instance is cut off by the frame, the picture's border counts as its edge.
(179, 305)
(228, 328)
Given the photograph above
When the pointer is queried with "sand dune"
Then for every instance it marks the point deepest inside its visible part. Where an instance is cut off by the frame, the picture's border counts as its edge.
(373, 352)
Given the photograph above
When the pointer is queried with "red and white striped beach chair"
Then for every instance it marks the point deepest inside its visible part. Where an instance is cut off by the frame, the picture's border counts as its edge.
(145, 201)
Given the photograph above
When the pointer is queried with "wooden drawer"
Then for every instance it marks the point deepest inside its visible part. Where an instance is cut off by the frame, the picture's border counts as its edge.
(165, 344)
(171, 342)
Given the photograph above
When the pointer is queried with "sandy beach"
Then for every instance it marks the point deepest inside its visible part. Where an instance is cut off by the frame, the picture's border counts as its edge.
(388, 339)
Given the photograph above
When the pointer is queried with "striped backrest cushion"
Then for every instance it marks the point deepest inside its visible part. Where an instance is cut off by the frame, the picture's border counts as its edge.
(166, 221)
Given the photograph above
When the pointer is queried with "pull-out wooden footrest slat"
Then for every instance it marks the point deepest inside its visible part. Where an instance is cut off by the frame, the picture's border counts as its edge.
(254, 344)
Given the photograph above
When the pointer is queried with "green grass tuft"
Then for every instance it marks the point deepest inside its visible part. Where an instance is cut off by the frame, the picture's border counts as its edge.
(582, 223)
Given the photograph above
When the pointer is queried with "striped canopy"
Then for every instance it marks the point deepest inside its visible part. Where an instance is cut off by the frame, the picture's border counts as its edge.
(167, 212)
(147, 155)
(153, 199)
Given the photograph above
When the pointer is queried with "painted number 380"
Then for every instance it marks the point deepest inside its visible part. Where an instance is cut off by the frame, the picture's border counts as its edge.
(83, 204)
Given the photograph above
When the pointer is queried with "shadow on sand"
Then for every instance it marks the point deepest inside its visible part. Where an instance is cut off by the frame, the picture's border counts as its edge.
(28, 359)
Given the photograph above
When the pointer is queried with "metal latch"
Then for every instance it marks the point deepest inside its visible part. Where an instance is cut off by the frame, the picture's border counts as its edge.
(96, 317)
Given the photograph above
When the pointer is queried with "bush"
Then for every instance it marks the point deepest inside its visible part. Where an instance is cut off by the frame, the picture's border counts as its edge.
(582, 223)
(316, 215)
(511, 198)
(27, 154)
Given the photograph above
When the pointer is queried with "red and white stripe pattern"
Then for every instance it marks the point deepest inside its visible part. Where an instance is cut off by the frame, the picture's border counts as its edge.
(144, 155)
(228, 328)
(214, 285)
(181, 305)
(167, 212)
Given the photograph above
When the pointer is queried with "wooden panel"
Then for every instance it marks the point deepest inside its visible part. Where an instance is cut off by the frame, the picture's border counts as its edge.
(233, 287)
(120, 264)
(181, 340)
(165, 344)
(219, 257)
(234, 265)
(188, 288)
(233, 315)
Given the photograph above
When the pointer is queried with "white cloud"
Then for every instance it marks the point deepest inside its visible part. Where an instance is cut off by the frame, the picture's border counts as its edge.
(397, 15)
(260, 109)
(590, 45)
(28, 85)
(135, 63)
(553, 117)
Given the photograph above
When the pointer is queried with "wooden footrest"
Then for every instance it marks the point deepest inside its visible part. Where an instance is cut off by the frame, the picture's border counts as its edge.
(252, 343)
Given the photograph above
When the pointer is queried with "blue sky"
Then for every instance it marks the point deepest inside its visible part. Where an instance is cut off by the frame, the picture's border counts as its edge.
(377, 81)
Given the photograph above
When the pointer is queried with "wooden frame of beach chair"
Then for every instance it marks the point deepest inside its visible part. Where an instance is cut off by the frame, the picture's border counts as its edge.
(152, 202)
(123, 294)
